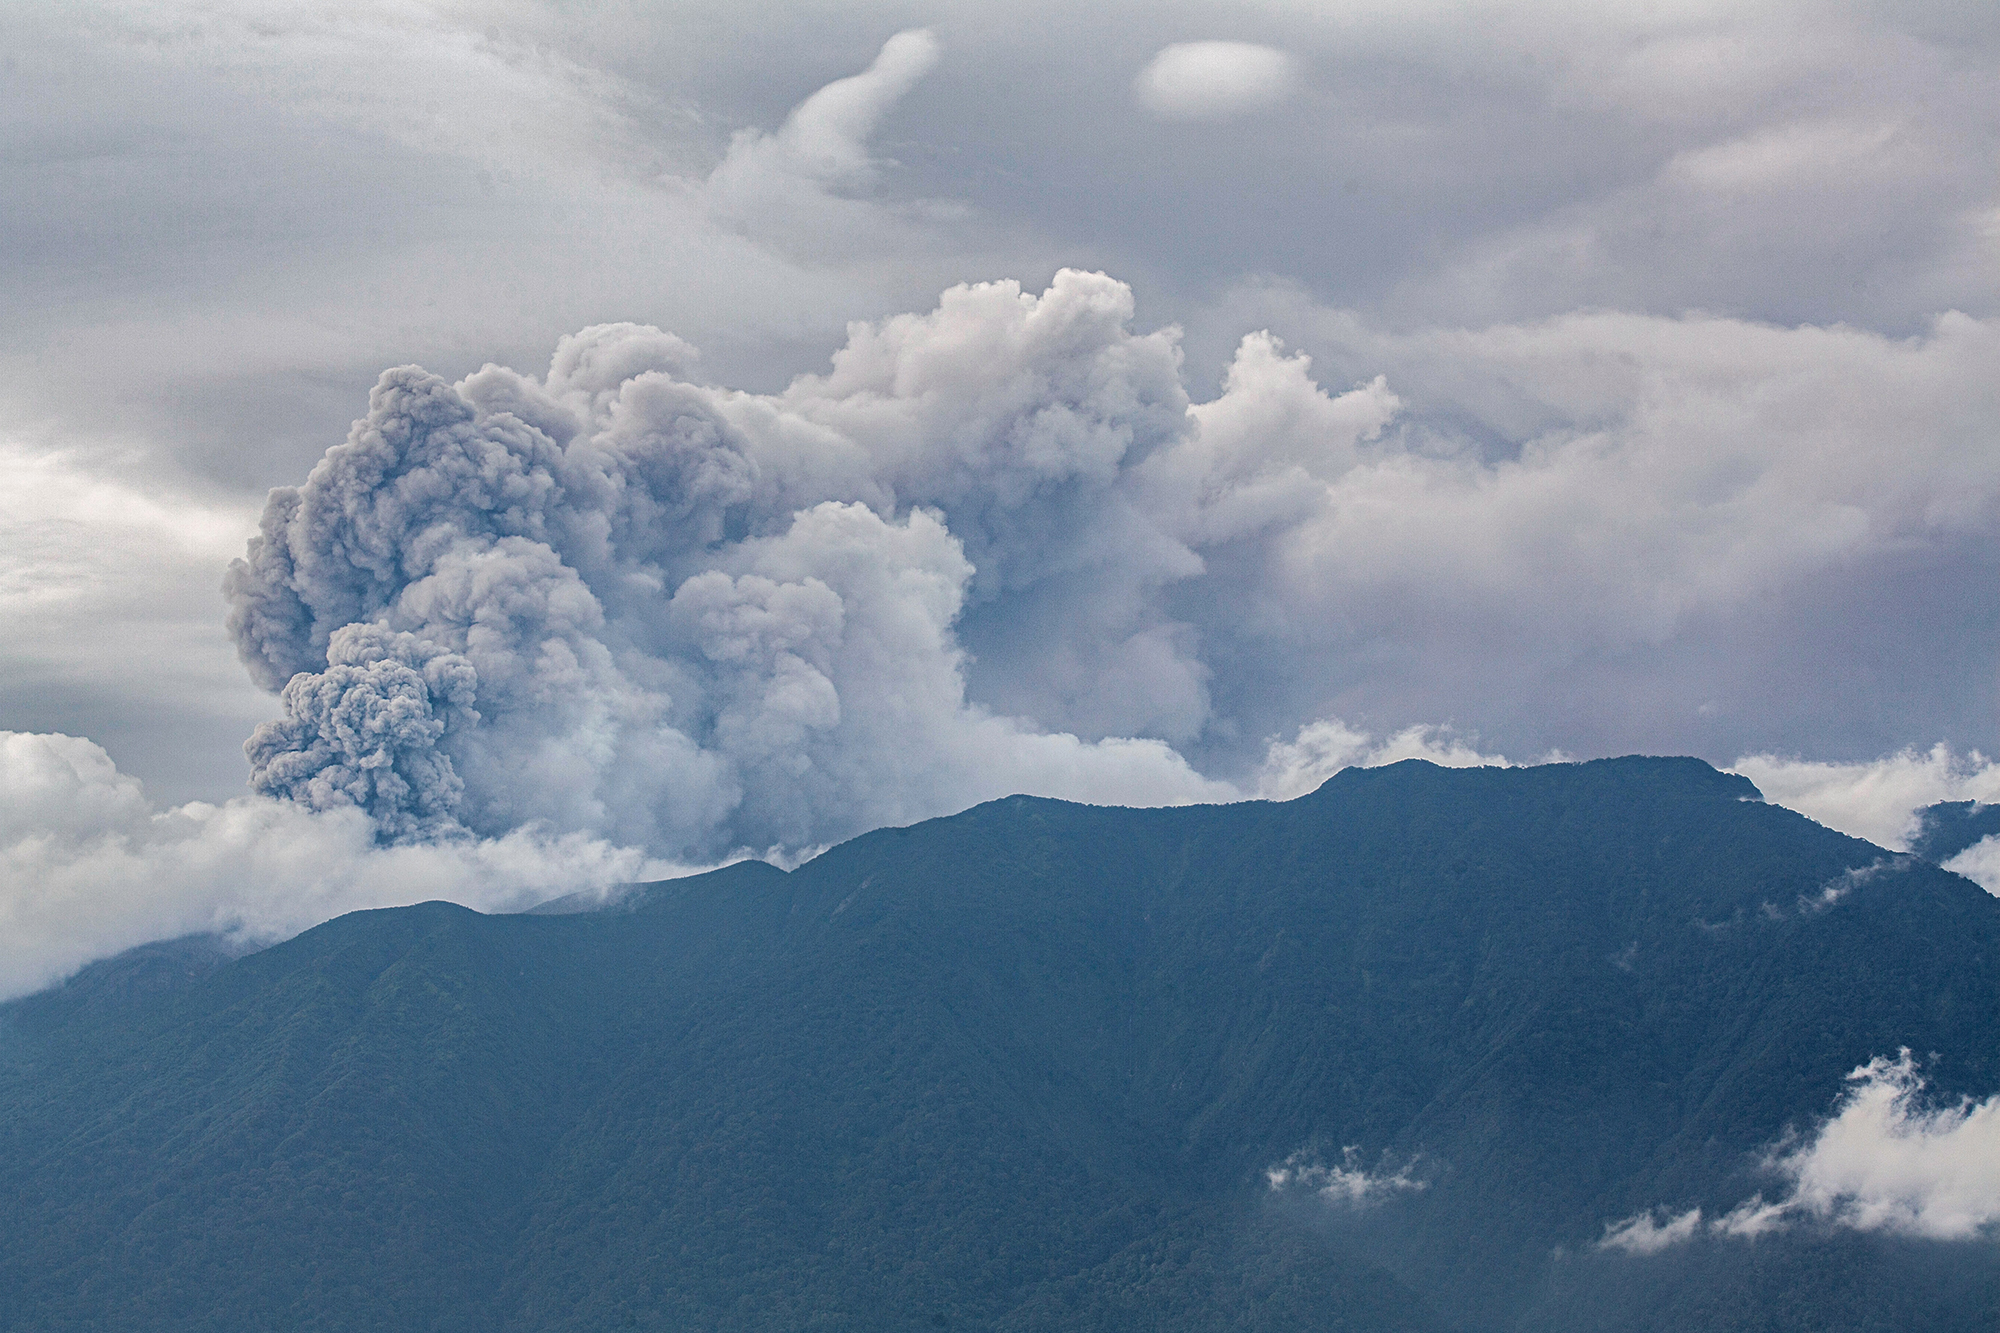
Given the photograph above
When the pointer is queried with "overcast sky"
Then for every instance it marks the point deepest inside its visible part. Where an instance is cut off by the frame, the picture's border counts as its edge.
(1556, 377)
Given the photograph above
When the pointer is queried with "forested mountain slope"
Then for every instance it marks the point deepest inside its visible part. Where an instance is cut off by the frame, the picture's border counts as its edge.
(1031, 1068)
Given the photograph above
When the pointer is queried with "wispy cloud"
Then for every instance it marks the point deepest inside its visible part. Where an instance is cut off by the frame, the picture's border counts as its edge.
(1650, 1232)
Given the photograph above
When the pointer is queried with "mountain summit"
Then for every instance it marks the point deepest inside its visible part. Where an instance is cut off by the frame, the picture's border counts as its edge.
(1427, 1049)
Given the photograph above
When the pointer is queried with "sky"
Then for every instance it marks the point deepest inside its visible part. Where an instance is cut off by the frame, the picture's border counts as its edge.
(671, 432)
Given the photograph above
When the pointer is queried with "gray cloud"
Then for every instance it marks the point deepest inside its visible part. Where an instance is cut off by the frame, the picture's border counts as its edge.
(674, 610)
(698, 620)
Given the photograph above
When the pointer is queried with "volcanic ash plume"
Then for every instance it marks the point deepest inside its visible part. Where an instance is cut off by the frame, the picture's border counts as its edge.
(618, 601)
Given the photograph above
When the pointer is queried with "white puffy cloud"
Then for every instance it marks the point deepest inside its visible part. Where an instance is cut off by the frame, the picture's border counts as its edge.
(1214, 80)
(1880, 800)
(89, 866)
(1979, 863)
(1884, 1162)
(826, 136)
(805, 185)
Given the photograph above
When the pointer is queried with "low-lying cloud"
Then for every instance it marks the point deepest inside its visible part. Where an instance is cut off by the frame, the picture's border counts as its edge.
(1349, 1182)
(1887, 1161)
(1650, 1232)
(1884, 800)
(89, 867)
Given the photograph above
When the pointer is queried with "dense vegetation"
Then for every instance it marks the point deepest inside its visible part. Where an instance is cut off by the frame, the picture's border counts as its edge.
(1026, 1068)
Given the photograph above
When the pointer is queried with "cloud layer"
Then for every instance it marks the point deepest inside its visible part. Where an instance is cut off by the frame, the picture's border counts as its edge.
(88, 866)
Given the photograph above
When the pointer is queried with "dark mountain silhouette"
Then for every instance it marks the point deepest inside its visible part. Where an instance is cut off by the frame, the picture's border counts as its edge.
(1029, 1068)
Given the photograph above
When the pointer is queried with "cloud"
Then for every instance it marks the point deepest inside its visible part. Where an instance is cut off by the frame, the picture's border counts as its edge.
(1887, 1162)
(803, 182)
(826, 136)
(100, 570)
(1979, 863)
(1641, 1234)
(1884, 1162)
(1656, 521)
(1214, 80)
(1321, 749)
(89, 866)
(636, 606)
(1880, 800)
(1348, 1183)
(997, 540)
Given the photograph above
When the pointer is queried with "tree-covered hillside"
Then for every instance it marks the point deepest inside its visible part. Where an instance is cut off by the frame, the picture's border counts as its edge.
(1031, 1068)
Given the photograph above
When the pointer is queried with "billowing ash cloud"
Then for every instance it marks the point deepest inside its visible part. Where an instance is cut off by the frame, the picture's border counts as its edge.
(996, 547)
(619, 601)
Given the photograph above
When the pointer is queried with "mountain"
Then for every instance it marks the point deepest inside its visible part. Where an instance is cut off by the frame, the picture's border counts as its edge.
(1949, 827)
(1031, 1067)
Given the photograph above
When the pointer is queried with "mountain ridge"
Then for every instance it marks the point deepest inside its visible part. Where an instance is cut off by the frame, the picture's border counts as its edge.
(1027, 1066)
